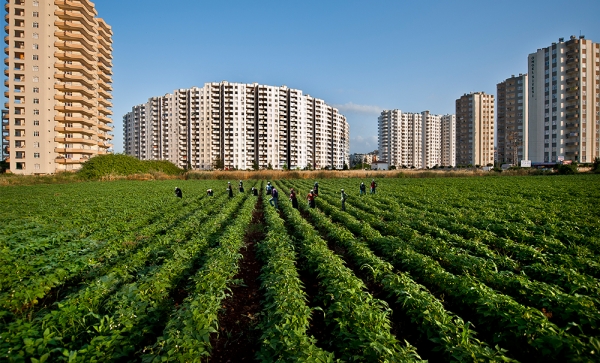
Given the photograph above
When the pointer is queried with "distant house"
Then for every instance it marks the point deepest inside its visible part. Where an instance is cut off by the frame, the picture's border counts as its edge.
(380, 165)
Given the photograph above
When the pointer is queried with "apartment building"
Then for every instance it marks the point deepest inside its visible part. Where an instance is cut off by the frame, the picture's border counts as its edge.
(512, 120)
(410, 139)
(564, 101)
(448, 140)
(239, 126)
(475, 129)
(58, 69)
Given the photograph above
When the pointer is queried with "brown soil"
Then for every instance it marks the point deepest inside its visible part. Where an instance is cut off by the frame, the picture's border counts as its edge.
(237, 340)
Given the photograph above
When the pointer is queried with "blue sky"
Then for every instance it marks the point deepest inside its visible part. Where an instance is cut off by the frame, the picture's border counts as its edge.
(362, 56)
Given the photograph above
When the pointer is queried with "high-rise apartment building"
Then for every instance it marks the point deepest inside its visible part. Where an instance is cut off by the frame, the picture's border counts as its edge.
(57, 113)
(240, 126)
(475, 129)
(512, 119)
(448, 140)
(410, 139)
(564, 101)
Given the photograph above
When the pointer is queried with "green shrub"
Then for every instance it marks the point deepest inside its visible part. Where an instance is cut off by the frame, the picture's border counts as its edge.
(120, 164)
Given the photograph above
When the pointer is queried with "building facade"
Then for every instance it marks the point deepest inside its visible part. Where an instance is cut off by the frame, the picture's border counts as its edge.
(564, 99)
(475, 129)
(448, 140)
(57, 113)
(242, 126)
(410, 139)
(512, 120)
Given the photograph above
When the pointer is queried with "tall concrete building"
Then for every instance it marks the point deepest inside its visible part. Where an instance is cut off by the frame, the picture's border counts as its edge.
(240, 126)
(475, 129)
(564, 101)
(57, 112)
(410, 139)
(512, 120)
(448, 140)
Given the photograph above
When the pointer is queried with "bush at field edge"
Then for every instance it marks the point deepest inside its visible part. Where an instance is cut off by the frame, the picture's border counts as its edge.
(123, 165)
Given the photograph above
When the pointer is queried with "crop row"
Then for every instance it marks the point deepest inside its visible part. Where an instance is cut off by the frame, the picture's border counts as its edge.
(79, 317)
(186, 337)
(519, 328)
(359, 323)
(449, 333)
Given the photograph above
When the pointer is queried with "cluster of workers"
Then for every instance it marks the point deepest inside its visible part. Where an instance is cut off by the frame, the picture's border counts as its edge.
(274, 193)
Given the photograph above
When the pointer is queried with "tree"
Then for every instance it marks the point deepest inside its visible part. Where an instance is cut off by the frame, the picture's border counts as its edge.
(285, 166)
(4, 166)
(255, 165)
(218, 163)
(269, 166)
(345, 167)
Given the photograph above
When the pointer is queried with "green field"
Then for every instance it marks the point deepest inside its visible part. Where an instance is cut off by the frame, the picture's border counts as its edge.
(447, 269)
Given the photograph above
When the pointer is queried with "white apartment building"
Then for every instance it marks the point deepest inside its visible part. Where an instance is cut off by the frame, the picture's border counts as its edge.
(448, 140)
(58, 69)
(564, 101)
(410, 139)
(240, 125)
(475, 129)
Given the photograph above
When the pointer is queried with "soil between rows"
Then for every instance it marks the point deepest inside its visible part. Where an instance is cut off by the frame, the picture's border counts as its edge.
(237, 340)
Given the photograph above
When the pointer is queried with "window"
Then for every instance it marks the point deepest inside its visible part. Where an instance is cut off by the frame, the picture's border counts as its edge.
(36, 14)
(37, 166)
(36, 46)
(36, 25)
(36, 122)
(36, 155)
(36, 79)
(36, 112)
(36, 90)
(36, 100)
(35, 57)
(36, 35)
(36, 144)
(36, 3)
(36, 133)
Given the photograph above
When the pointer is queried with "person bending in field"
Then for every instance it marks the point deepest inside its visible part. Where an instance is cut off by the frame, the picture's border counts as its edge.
(344, 196)
(241, 186)
(363, 189)
(311, 199)
(293, 198)
(373, 186)
(209, 192)
(229, 190)
(254, 191)
(269, 188)
(178, 192)
(316, 189)
(274, 198)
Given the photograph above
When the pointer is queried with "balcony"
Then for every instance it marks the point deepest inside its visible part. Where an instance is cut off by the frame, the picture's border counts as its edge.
(75, 88)
(75, 151)
(72, 140)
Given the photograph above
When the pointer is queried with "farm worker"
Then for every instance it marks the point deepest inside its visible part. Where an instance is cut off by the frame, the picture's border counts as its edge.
(269, 188)
(293, 198)
(209, 192)
(241, 186)
(363, 188)
(274, 197)
(311, 199)
(254, 191)
(373, 186)
(316, 189)
(229, 190)
(178, 192)
(344, 196)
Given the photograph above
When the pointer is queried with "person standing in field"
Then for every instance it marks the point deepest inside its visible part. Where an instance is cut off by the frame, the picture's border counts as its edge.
(373, 186)
(274, 197)
(344, 196)
(229, 190)
(178, 193)
(254, 191)
(293, 198)
(311, 199)
(269, 188)
(316, 189)
(209, 192)
(363, 188)
(241, 186)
